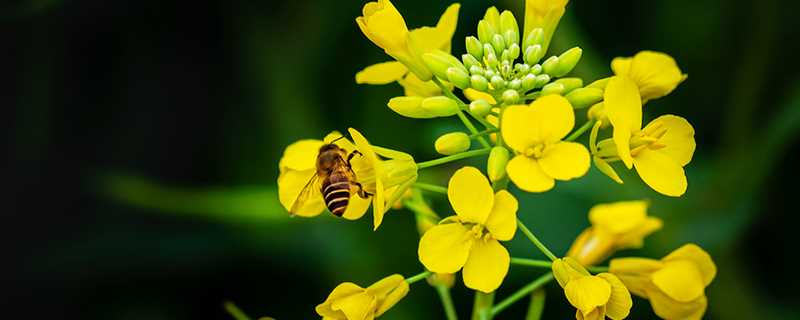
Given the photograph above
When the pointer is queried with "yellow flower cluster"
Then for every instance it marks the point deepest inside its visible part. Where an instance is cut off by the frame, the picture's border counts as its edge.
(520, 110)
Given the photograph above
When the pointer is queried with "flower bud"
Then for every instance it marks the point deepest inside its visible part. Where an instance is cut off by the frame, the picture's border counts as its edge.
(570, 84)
(550, 66)
(480, 108)
(440, 106)
(515, 84)
(470, 61)
(474, 47)
(542, 80)
(536, 69)
(522, 68)
(528, 82)
(498, 83)
(535, 37)
(476, 70)
(488, 49)
(438, 61)
(498, 43)
(458, 77)
(513, 51)
(478, 82)
(491, 60)
(509, 27)
(598, 113)
(496, 165)
(533, 54)
(485, 31)
(510, 96)
(452, 143)
(552, 88)
(599, 84)
(410, 107)
(584, 97)
(567, 61)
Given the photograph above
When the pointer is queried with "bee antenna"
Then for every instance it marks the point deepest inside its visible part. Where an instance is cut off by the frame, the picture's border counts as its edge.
(337, 139)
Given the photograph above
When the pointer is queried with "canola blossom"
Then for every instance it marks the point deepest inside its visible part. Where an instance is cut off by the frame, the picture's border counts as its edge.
(523, 114)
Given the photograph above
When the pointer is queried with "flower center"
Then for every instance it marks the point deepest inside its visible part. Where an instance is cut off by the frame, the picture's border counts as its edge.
(648, 139)
(535, 151)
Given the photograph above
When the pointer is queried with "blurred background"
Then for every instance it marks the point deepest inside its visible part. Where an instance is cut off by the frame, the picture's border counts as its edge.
(142, 141)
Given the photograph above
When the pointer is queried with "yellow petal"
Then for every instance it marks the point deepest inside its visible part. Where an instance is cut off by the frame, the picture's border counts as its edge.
(356, 307)
(301, 155)
(635, 238)
(606, 169)
(528, 175)
(502, 221)
(368, 154)
(680, 280)
(413, 86)
(341, 291)
(587, 293)
(667, 308)
(445, 247)
(591, 247)
(620, 303)
(487, 266)
(388, 291)
(553, 118)
(447, 24)
(470, 195)
(678, 139)
(655, 73)
(518, 129)
(291, 183)
(623, 107)
(634, 265)
(567, 269)
(473, 95)
(384, 25)
(621, 65)
(382, 73)
(565, 160)
(356, 207)
(699, 257)
(618, 217)
(661, 172)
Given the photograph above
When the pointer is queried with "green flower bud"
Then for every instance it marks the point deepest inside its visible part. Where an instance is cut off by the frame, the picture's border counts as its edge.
(498, 43)
(488, 73)
(458, 77)
(410, 107)
(552, 88)
(452, 143)
(487, 49)
(491, 60)
(438, 61)
(505, 57)
(570, 84)
(510, 96)
(599, 84)
(440, 106)
(476, 70)
(584, 97)
(505, 68)
(474, 47)
(528, 82)
(492, 16)
(533, 54)
(515, 84)
(496, 165)
(522, 68)
(567, 61)
(498, 83)
(485, 31)
(480, 108)
(513, 51)
(535, 37)
(550, 66)
(479, 83)
(509, 27)
(536, 69)
(470, 61)
(542, 80)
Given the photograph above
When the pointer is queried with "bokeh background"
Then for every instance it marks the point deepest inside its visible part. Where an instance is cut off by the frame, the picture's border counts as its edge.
(142, 141)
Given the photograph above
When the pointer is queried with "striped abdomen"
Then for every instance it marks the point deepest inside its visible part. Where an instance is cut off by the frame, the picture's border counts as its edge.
(336, 191)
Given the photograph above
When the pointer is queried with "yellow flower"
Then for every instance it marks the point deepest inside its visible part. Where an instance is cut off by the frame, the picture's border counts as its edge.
(348, 301)
(656, 74)
(378, 176)
(675, 285)
(615, 226)
(543, 14)
(595, 297)
(534, 132)
(469, 240)
(385, 26)
(659, 151)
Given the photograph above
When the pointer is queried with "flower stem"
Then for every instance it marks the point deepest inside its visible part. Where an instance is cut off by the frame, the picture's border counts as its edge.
(234, 311)
(522, 292)
(580, 131)
(418, 277)
(536, 306)
(531, 263)
(447, 92)
(482, 307)
(483, 133)
(536, 241)
(447, 302)
(457, 156)
(430, 187)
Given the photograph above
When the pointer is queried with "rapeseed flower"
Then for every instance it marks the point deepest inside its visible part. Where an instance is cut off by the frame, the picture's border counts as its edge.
(349, 301)
(596, 297)
(544, 14)
(535, 133)
(470, 239)
(675, 285)
(656, 74)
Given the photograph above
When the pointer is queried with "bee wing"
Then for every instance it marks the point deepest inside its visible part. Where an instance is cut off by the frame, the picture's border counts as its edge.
(306, 193)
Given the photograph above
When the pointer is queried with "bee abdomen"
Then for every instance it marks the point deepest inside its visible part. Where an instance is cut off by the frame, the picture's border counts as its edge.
(336, 191)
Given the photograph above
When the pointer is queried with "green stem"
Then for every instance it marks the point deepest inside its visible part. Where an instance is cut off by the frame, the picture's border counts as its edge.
(234, 311)
(418, 277)
(483, 133)
(458, 156)
(531, 263)
(536, 241)
(447, 302)
(447, 92)
(430, 187)
(536, 307)
(522, 292)
(577, 133)
(482, 307)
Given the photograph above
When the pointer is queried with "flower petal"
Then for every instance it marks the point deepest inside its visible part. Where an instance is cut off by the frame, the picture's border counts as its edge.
(528, 175)
(621, 65)
(618, 217)
(678, 139)
(587, 293)
(487, 266)
(606, 169)
(667, 308)
(413, 86)
(680, 280)
(470, 195)
(384, 25)
(565, 160)
(554, 117)
(634, 265)
(661, 172)
(699, 257)
(301, 155)
(447, 25)
(623, 106)
(635, 238)
(382, 73)
(291, 183)
(518, 129)
(356, 207)
(388, 291)
(620, 303)
(502, 221)
(472, 95)
(567, 269)
(655, 73)
(445, 247)
(359, 306)
(341, 291)
(378, 199)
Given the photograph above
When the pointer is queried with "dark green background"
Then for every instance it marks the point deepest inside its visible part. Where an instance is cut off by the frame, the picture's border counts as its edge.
(142, 140)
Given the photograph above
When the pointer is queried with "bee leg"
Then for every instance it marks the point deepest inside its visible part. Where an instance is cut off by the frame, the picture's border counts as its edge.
(353, 154)
(361, 192)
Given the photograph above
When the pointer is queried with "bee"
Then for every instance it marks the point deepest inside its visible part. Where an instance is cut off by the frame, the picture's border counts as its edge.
(334, 178)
